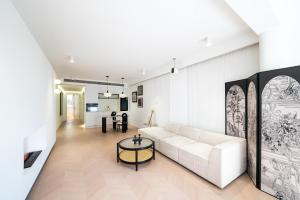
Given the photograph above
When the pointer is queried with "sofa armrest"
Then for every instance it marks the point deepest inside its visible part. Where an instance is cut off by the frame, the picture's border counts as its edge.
(227, 161)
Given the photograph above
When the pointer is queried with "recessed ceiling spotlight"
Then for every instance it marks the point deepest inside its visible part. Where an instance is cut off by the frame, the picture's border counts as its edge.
(57, 81)
(207, 42)
(71, 59)
(143, 72)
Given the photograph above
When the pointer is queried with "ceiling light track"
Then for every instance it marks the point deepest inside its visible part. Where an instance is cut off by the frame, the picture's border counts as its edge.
(91, 82)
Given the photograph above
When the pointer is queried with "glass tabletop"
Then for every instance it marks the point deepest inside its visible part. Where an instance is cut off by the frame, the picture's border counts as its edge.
(129, 144)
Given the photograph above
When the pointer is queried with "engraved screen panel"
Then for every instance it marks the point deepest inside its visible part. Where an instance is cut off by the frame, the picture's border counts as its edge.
(252, 131)
(280, 145)
(235, 112)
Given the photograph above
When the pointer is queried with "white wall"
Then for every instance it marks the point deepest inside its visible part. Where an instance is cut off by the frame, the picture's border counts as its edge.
(279, 48)
(27, 104)
(277, 25)
(196, 95)
(155, 97)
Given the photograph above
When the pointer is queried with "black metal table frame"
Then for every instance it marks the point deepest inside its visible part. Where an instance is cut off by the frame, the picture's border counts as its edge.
(136, 163)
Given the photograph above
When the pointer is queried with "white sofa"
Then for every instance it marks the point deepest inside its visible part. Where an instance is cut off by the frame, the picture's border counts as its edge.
(216, 157)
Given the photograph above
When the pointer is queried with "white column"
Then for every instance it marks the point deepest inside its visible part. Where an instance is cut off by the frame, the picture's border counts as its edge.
(279, 48)
(276, 22)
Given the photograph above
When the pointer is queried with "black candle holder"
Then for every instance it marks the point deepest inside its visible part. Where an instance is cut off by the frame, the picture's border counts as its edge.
(134, 139)
(137, 139)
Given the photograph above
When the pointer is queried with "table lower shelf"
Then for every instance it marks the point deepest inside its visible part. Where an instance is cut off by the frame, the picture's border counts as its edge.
(129, 156)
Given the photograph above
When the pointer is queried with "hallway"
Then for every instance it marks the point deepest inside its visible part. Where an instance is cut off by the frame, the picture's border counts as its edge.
(83, 165)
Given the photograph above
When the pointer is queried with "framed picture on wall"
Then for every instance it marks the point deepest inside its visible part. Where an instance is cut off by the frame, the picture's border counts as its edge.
(140, 90)
(140, 102)
(61, 98)
(124, 104)
(134, 97)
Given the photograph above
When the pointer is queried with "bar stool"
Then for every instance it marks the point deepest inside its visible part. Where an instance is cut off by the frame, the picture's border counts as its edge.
(123, 124)
(114, 119)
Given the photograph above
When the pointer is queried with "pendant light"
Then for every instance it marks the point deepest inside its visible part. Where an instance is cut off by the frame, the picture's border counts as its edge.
(123, 95)
(174, 70)
(107, 94)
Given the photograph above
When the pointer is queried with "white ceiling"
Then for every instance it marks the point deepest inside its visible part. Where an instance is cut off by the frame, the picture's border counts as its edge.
(121, 37)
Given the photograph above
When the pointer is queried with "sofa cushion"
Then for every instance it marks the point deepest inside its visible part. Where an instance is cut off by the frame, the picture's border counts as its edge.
(212, 138)
(163, 134)
(156, 134)
(172, 127)
(189, 132)
(178, 141)
(195, 157)
(170, 145)
(199, 149)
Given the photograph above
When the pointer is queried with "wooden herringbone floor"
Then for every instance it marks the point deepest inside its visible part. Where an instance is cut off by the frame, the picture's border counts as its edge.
(83, 165)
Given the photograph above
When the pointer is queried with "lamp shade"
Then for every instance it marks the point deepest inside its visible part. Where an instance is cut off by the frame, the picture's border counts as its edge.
(122, 95)
(107, 94)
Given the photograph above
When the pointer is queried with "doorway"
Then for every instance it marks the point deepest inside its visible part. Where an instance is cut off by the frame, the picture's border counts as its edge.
(70, 107)
(73, 107)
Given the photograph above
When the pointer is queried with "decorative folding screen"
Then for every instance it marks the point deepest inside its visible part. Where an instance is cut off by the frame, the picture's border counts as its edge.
(273, 131)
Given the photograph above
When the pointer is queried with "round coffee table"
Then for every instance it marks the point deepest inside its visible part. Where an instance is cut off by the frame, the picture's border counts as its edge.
(135, 153)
